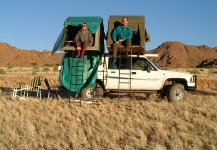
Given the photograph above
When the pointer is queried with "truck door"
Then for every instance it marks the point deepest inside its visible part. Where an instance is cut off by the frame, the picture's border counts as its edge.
(113, 75)
(144, 75)
(102, 71)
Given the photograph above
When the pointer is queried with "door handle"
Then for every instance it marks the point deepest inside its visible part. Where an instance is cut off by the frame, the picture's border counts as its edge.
(112, 71)
(133, 72)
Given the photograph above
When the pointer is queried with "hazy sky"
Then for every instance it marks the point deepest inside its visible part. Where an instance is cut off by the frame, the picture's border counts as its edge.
(36, 24)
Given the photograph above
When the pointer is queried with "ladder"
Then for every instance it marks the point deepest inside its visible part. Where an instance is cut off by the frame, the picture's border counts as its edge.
(76, 78)
(105, 70)
(123, 80)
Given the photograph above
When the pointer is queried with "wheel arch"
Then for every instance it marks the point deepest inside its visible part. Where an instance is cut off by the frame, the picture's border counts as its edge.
(177, 80)
(100, 82)
(169, 82)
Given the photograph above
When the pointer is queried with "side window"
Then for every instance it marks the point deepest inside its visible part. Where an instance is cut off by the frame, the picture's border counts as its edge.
(139, 65)
(142, 64)
(123, 64)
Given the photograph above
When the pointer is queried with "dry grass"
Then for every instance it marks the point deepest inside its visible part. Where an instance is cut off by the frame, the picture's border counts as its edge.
(141, 124)
(151, 124)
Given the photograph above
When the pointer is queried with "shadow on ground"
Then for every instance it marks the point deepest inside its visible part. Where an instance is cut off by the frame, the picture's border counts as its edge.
(66, 94)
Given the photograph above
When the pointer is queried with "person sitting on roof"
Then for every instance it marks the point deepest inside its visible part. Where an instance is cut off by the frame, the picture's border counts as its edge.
(122, 35)
(83, 39)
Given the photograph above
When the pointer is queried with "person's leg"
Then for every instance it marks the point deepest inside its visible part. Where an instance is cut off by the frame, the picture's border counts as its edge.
(128, 44)
(84, 47)
(115, 49)
(78, 47)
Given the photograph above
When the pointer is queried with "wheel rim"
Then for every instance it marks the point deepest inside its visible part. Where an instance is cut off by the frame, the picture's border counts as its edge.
(91, 92)
(179, 94)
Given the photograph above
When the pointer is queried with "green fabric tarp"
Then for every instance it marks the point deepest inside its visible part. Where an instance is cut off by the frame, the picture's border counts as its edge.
(76, 74)
(59, 41)
(92, 22)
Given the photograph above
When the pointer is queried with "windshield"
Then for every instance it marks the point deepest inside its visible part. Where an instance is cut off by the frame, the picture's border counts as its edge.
(156, 65)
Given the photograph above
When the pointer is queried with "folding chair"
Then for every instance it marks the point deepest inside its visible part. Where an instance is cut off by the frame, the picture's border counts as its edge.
(35, 85)
(51, 88)
(17, 92)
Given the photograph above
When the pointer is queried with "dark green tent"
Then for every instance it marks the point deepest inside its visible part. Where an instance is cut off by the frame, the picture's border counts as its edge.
(72, 25)
(76, 73)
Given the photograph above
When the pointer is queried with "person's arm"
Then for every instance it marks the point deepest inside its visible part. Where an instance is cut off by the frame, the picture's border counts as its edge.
(114, 34)
(90, 39)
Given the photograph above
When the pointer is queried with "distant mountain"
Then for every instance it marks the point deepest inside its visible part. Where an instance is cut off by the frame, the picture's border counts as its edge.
(179, 55)
(171, 55)
(13, 56)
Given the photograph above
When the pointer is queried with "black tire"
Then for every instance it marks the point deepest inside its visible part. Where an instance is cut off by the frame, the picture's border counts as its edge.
(94, 91)
(165, 91)
(176, 93)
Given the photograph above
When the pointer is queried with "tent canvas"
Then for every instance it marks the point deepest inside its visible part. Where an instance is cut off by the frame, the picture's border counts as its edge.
(92, 22)
(74, 25)
(77, 74)
(137, 23)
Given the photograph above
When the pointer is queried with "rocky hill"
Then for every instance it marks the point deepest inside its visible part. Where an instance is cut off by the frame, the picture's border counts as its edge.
(13, 56)
(171, 55)
(179, 55)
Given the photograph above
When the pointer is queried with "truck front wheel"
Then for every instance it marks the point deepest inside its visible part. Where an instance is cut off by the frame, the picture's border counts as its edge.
(176, 93)
(94, 91)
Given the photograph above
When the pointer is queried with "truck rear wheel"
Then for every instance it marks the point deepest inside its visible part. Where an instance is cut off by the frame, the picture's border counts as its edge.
(94, 91)
(176, 93)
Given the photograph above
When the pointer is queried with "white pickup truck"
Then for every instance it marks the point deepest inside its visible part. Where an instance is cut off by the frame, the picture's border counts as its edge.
(138, 73)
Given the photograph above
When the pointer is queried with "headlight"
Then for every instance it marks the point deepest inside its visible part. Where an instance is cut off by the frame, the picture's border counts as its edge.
(59, 68)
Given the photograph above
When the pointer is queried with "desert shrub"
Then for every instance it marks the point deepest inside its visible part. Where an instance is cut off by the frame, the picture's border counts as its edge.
(212, 71)
(201, 69)
(195, 71)
(46, 69)
(34, 72)
(48, 65)
(2, 71)
(55, 69)
(35, 68)
(9, 67)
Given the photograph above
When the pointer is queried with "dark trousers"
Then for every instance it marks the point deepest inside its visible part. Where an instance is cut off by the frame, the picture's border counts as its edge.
(126, 43)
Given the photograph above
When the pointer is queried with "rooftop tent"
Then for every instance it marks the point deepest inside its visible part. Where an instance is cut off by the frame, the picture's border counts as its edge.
(140, 34)
(92, 22)
(72, 25)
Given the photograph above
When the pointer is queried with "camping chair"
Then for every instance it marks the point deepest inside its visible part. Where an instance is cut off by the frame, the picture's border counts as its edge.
(17, 92)
(34, 85)
(51, 88)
